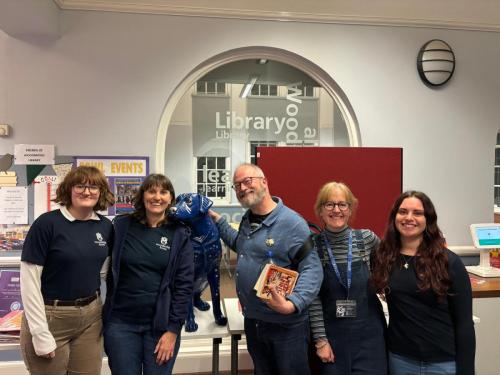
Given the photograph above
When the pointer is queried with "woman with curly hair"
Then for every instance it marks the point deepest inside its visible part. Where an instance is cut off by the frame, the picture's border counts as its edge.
(428, 293)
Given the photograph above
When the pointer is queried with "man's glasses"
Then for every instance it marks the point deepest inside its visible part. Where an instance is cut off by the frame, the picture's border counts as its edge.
(80, 189)
(330, 206)
(247, 181)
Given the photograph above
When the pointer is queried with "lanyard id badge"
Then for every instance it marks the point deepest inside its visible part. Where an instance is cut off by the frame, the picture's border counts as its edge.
(345, 308)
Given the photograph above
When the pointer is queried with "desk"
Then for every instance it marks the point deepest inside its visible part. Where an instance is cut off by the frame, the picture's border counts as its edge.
(208, 329)
(485, 287)
(486, 304)
(236, 327)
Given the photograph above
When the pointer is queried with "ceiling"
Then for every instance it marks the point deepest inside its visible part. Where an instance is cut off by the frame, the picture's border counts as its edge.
(455, 14)
(41, 17)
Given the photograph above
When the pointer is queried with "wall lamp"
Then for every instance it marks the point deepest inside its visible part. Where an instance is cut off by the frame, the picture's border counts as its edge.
(435, 63)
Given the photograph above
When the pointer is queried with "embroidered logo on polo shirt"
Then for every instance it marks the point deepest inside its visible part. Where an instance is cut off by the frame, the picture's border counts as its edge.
(163, 244)
(100, 239)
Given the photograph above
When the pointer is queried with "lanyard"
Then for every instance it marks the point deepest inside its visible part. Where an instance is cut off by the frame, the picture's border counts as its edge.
(270, 256)
(334, 264)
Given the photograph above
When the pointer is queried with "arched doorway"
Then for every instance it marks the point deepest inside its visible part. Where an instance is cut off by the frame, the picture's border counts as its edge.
(301, 64)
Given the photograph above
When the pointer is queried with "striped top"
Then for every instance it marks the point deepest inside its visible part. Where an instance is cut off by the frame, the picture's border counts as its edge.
(339, 242)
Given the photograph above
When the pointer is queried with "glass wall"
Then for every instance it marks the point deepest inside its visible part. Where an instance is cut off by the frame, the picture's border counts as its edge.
(230, 111)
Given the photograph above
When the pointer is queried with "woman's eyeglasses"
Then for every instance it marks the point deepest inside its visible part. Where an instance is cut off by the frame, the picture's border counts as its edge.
(330, 206)
(80, 189)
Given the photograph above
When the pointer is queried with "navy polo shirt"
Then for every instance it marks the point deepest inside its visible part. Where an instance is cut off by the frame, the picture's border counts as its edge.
(71, 253)
(143, 262)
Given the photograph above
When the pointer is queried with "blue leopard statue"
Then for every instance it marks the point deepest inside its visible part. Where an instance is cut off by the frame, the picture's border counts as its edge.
(192, 210)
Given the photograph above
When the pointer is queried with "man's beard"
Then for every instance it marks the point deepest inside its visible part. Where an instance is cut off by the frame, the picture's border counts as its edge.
(252, 199)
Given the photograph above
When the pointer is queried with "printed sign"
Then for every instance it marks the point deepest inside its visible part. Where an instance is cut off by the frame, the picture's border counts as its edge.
(34, 154)
(14, 205)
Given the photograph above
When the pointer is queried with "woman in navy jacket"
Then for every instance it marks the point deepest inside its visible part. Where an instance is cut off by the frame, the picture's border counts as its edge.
(150, 286)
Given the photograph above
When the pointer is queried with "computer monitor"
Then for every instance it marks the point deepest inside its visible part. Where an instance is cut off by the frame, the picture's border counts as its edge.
(485, 237)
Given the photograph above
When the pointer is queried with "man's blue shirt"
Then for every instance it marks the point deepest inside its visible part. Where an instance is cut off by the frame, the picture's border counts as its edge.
(279, 236)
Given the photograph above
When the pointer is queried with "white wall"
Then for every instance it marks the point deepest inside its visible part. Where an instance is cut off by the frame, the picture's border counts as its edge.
(101, 88)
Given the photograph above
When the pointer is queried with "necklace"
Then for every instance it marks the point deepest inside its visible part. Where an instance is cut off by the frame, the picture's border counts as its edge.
(406, 260)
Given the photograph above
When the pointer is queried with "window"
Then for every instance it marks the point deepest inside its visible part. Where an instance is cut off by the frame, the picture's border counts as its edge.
(497, 175)
(307, 91)
(213, 177)
(210, 88)
(253, 148)
(264, 90)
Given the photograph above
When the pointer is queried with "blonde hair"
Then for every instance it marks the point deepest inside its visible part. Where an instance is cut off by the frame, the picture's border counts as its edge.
(327, 189)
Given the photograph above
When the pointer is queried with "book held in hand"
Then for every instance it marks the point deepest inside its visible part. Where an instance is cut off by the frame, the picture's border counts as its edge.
(275, 276)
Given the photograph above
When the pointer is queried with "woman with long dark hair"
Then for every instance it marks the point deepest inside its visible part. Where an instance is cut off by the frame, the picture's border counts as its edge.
(150, 286)
(428, 293)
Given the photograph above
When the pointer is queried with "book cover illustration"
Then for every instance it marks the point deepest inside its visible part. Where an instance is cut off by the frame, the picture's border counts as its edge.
(273, 275)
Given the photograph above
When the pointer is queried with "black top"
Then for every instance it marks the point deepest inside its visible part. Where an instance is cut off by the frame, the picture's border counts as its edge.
(176, 289)
(71, 253)
(255, 220)
(143, 262)
(421, 327)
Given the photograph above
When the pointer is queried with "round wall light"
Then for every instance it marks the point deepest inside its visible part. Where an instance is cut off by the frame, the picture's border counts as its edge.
(435, 63)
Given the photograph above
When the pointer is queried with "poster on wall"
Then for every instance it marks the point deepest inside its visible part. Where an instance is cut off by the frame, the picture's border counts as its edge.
(44, 191)
(12, 238)
(125, 189)
(124, 174)
(14, 205)
(10, 300)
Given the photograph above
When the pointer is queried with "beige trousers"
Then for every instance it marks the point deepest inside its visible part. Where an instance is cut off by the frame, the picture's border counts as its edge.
(77, 332)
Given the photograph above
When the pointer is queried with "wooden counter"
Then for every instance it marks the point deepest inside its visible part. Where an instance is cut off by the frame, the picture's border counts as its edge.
(485, 287)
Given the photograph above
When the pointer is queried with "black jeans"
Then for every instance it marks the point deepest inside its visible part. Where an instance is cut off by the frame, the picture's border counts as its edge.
(278, 348)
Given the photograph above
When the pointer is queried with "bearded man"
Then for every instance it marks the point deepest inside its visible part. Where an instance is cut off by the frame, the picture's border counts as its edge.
(277, 331)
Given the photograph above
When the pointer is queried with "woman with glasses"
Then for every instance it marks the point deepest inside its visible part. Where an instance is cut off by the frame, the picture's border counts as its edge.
(428, 293)
(64, 254)
(151, 284)
(347, 321)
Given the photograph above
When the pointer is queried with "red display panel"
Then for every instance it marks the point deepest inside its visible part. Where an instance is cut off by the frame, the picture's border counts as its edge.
(374, 175)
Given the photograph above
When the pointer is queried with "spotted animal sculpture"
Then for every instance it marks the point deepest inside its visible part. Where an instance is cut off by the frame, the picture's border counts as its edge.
(192, 210)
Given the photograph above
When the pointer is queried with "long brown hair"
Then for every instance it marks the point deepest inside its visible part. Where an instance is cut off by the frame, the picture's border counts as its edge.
(431, 262)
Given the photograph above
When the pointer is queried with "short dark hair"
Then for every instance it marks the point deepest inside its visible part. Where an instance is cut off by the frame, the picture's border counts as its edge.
(155, 179)
(85, 175)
